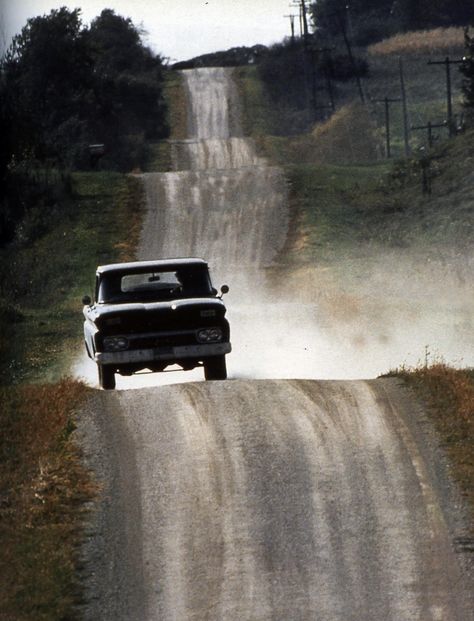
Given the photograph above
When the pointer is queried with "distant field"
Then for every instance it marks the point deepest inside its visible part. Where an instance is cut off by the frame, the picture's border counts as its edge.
(446, 40)
(425, 87)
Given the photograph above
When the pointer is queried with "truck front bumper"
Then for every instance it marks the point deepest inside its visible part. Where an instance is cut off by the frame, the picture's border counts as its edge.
(163, 353)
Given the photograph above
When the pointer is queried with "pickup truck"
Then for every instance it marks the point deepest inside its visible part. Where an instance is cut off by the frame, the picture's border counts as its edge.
(153, 314)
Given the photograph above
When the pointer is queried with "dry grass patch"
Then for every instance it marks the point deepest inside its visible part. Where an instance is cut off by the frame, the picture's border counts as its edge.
(449, 394)
(350, 135)
(43, 489)
(438, 40)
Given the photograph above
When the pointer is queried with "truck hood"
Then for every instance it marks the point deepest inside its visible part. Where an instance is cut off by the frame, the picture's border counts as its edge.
(167, 315)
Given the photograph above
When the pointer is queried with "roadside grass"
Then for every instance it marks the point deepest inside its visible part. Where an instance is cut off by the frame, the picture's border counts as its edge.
(160, 157)
(43, 494)
(448, 394)
(258, 116)
(330, 208)
(340, 210)
(43, 485)
(42, 282)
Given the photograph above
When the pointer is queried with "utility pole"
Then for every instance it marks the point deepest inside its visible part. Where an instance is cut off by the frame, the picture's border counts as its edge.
(305, 20)
(406, 134)
(297, 4)
(449, 117)
(343, 28)
(292, 24)
(307, 60)
(429, 127)
(327, 75)
(387, 101)
(304, 30)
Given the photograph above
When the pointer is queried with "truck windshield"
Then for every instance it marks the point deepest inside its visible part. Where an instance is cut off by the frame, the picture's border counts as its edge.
(154, 286)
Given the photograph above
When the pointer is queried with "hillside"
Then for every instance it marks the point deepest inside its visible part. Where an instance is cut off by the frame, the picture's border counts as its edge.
(340, 165)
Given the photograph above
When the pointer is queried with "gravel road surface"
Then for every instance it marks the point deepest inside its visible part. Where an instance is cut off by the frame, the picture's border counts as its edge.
(256, 500)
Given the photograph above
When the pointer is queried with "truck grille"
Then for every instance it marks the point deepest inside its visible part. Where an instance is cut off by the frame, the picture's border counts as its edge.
(149, 341)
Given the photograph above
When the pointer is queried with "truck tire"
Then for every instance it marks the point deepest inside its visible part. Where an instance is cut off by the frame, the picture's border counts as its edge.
(106, 377)
(215, 368)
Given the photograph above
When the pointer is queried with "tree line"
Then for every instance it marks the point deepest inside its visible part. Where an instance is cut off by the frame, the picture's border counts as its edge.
(373, 20)
(65, 86)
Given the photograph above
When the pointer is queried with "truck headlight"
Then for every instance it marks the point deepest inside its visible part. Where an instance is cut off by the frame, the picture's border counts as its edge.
(115, 343)
(209, 335)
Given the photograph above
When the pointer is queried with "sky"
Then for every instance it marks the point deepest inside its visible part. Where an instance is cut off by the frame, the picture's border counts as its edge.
(177, 29)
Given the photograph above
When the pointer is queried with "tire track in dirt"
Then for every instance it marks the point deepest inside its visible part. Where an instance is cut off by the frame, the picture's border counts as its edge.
(275, 500)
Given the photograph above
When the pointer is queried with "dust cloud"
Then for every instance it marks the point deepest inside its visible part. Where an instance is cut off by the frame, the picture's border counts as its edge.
(357, 318)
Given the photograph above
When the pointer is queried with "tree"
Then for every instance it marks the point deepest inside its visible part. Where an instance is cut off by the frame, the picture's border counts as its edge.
(69, 86)
(365, 20)
(372, 20)
(63, 87)
(128, 82)
(46, 73)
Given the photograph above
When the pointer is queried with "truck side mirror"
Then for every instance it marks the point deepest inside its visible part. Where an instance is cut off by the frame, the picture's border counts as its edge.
(224, 289)
(86, 300)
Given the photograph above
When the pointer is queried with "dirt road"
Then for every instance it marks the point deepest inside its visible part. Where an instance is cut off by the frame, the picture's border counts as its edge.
(258, 500)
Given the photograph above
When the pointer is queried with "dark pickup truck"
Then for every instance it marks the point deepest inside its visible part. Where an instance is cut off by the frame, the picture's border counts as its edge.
(152, 314)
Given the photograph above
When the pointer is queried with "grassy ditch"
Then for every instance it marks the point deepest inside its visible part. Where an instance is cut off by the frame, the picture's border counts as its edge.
(44, 278)
(449, 398)
(43, 486)
(341, 209)
(43, 491)
(160, 159)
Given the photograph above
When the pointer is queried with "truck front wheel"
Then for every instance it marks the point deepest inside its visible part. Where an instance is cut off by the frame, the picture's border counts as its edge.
(106, 377)
(215, 368)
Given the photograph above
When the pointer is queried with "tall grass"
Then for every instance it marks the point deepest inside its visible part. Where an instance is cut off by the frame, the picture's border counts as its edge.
(420, 42)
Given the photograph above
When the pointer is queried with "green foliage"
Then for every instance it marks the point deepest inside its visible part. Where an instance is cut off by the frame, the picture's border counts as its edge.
(128, 85)
(366, 21)
(51, 264)
(45, 71)
(64, 87)
(34, 196)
